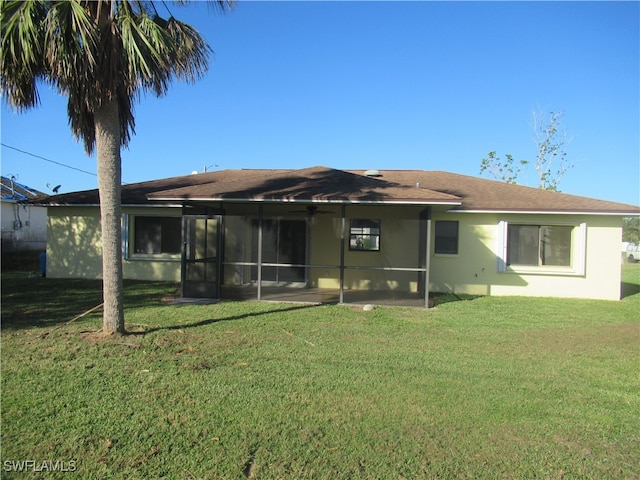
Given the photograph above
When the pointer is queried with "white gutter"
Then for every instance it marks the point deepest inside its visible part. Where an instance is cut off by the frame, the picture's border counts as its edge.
(551, 212)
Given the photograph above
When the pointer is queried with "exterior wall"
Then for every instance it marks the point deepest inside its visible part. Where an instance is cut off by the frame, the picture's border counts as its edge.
(74, 248)
(324, 250)
(475, 269)
(399, 226)
(74, 243)
(24, 227)
(237, 249)
(399, 248)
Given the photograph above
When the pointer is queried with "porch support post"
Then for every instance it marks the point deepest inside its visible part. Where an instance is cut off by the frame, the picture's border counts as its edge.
(342, 240)
(183, 253)
(260, 225)
(425, 216)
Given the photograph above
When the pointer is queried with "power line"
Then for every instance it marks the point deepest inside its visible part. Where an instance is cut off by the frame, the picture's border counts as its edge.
(48, 160)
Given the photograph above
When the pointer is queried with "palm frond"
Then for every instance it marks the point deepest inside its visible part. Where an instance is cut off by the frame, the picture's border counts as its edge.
(81, 122)
(71, 47)
(158, 50)
(192, 54)
(96, 51)
(149, 51)
(220, 5)
(71, 40)
(22, 60)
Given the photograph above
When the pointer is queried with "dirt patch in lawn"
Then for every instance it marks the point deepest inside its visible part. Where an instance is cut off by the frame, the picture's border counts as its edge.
(575, 339)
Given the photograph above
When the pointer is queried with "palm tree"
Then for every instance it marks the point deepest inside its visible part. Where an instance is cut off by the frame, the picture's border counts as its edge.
(101, 55)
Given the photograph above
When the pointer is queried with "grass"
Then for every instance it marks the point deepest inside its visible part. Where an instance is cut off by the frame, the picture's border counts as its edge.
(479, 388)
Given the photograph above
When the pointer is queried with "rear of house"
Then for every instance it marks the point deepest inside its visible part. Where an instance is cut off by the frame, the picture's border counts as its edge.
(326, 235)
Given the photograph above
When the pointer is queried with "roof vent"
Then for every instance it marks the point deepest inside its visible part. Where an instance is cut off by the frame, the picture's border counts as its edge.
(372, 173)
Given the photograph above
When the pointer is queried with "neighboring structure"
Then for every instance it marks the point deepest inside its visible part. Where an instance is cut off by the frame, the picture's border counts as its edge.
(24, 226)
(329, 235)
(631, 252)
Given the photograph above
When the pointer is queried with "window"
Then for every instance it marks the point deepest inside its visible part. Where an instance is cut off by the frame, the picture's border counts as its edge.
(364, 235)
(446, 237)
(539, 245)
(157, 235)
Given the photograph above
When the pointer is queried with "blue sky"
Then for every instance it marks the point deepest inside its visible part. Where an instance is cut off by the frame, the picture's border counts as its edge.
(377, 85)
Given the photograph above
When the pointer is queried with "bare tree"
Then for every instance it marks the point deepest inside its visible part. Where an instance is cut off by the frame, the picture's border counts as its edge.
(551, 160)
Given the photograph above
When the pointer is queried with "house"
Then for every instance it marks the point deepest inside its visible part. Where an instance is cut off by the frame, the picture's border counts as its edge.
(24, 226)
(348, 236)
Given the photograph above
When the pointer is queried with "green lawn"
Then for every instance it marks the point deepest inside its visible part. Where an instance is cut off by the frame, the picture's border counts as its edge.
(477, 388)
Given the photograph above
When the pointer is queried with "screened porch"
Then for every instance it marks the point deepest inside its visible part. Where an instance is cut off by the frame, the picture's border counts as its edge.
(325, 253)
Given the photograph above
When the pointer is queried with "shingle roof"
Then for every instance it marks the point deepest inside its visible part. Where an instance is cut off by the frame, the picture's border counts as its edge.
(478, 194)
(132, 194)
(316, 184)
(321, 184)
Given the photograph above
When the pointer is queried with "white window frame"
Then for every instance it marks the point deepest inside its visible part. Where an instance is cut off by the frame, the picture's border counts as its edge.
(578, 251)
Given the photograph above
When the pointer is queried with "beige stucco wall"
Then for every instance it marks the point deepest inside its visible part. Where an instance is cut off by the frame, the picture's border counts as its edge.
(74, 246)
(74, 251)
(324, 250)
(399, 226)
(237, 249)
(73, 243)
(398, 248)
(475, 269)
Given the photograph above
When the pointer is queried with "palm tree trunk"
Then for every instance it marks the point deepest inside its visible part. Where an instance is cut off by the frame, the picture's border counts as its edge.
(109, 184)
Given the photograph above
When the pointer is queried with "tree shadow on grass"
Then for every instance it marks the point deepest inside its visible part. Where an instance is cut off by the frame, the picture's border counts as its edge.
(32, 301)
(39, 302)
(209, 321)
(29, 301)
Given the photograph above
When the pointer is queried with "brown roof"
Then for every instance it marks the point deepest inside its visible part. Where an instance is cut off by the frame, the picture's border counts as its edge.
(132, 194)
(321, 184)
(478, 194)
(315, 184)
